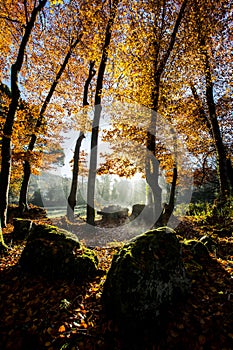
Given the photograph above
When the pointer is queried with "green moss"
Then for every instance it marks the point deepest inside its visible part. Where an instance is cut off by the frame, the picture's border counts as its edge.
(145, 275)
(198, 249)
(57, 253)
(52, 233)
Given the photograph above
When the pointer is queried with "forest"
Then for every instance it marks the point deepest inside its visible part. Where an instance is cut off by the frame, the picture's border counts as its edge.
(116, 174)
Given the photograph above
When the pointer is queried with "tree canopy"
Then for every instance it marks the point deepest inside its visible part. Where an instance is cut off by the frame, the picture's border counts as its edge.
(172, 58)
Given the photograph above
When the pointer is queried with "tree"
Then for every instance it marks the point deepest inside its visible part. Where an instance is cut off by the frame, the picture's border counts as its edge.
(146, 57)
(9, 123)
(224, 180)
(25, 120)
(160, 60)
(97, 114)
(204, 59)
(74, 184)
(41, 119)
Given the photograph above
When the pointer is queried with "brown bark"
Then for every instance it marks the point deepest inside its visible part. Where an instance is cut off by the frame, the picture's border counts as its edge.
(74, 184)
(9, 123)
(97, 114)
(202, 114)
(224, 180)
(168, 208)
(211, 121)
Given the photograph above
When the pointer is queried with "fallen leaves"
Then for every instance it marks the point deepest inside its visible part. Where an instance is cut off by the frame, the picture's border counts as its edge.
(62, 329)
(54, 313)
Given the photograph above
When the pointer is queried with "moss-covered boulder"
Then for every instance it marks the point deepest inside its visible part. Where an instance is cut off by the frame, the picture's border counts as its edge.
(199, 255)
(22, 228)
(198, 248)
(145, 277)
(57, 253)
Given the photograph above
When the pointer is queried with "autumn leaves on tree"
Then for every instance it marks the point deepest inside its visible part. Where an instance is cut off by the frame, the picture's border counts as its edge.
(10, 118)
(171, 57)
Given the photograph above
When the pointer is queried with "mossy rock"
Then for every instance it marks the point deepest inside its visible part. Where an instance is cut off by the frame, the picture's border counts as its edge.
(198, 248)
(22, 228)
(53, 233)
(145, 277)
(57, 253)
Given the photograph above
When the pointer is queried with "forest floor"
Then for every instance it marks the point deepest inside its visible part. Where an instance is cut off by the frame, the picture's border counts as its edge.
(40, 314)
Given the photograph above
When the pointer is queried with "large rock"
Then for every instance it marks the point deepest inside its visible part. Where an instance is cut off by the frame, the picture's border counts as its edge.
(57, 253)
(200, 248)
(199, 251)
(145, 277)
(32, 213)
(22, 228)
(137, 209)
(114, 214)
(142, 213)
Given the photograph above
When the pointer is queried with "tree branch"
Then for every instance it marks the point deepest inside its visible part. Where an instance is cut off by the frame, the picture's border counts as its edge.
(173, 38)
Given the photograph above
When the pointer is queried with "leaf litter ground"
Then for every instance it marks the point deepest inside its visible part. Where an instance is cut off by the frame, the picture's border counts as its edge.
(40, 314)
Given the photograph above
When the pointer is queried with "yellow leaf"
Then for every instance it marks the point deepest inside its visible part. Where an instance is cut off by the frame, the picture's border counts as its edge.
(62, 329)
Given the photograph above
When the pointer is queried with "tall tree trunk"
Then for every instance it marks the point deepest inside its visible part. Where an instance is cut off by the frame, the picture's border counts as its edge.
(224, 180)
(224, 169)
(152, 165)
(24, 187)
(97, 115)
(9, 123)
(168, 208)
(27, 167)
(202, 114)
(74, 184)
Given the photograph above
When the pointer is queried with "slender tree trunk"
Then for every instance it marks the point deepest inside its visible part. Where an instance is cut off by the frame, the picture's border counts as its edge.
(91, 75)
(74, 184)
(171, 203)
(23, 206)
(5, 177)
(92, 167)
(97, 115)
(168, 208)
(9, 123)
(202, 114)
(27, 167)
(211, 121)
(224, 180)
(152, 164)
